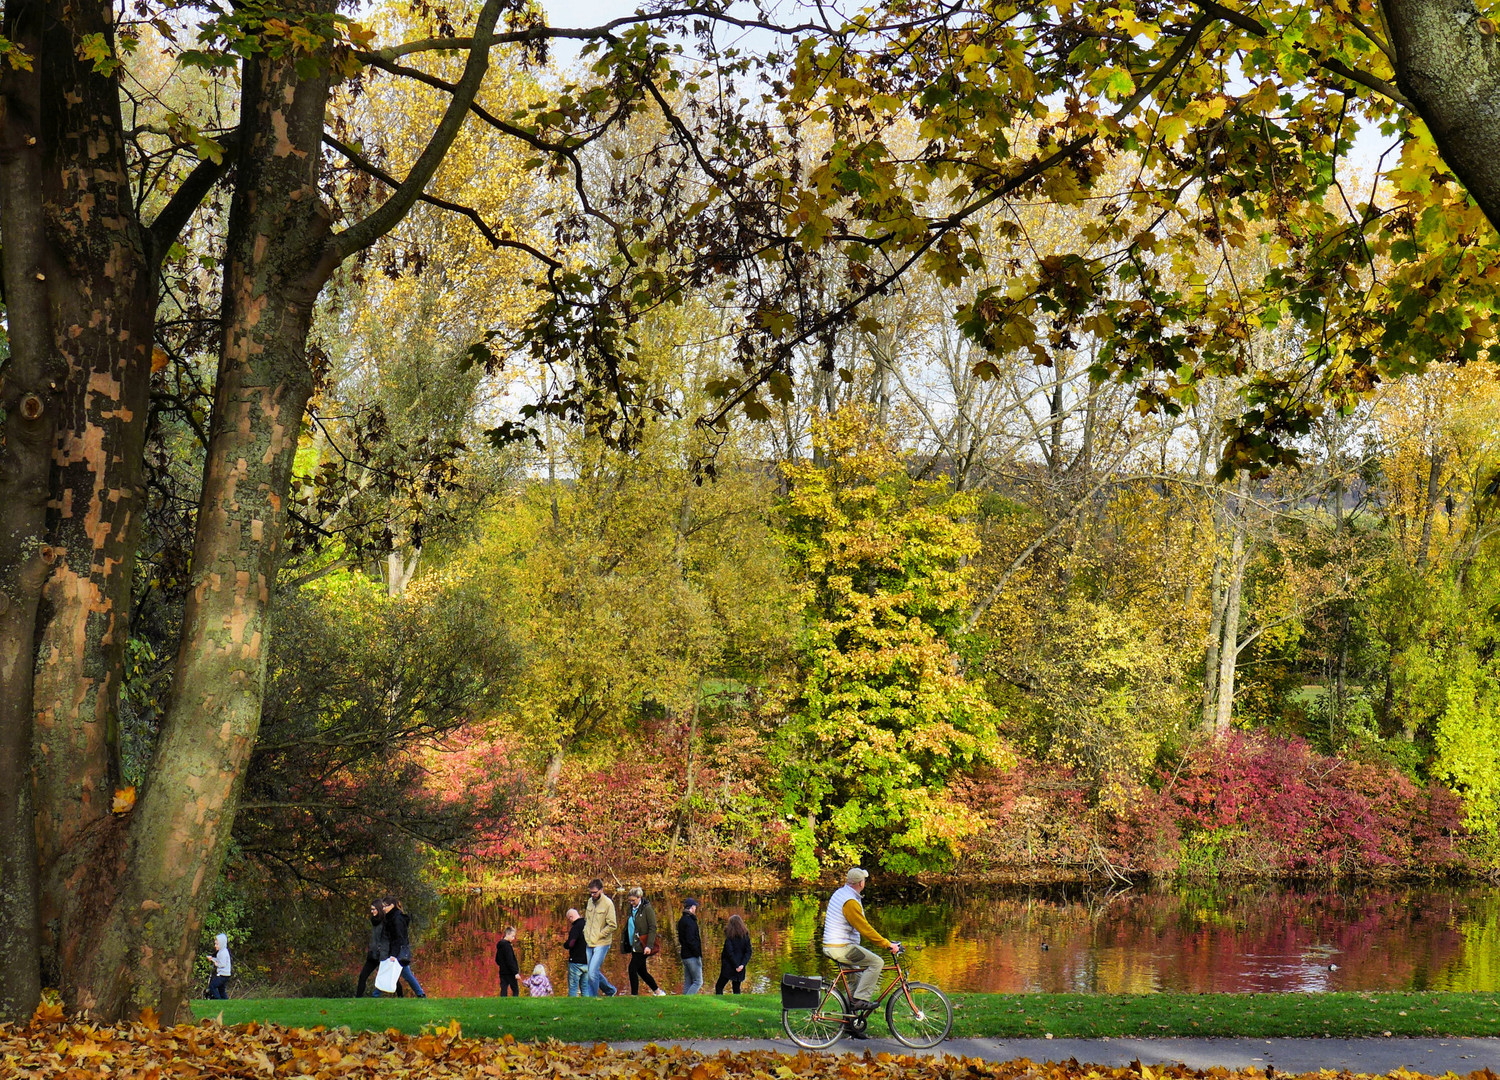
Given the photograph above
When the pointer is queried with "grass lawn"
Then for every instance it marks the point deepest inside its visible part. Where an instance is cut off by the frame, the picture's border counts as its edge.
(994, 1015)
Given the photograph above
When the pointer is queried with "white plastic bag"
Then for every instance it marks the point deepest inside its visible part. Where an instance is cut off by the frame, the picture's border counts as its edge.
(388, 975)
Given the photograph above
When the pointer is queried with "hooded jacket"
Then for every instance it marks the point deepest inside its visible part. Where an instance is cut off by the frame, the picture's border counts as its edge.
(221, 958)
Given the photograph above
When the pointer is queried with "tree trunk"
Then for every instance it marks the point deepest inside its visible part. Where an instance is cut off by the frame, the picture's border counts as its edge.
(554, 772)
(277, 227)
(278, 254)
(399, 571)
(32, 377)
(1229, 651)
(1448, 65)
(1216, 600)
(692, 769)
(1429, 511)
(103, 319)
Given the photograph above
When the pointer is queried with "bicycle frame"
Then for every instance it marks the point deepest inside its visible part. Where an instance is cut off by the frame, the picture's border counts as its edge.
(841, 983)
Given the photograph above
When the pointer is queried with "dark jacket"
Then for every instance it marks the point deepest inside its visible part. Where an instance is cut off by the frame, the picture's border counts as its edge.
(380, 942)
(398, 930)
(645, 927)
(736, 952)
(689, 941)
(578, 951)
(505, 958)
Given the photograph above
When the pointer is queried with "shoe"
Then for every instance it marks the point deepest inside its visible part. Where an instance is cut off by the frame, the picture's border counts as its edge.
(660, 992)
(861, 1007)
(855, 1034)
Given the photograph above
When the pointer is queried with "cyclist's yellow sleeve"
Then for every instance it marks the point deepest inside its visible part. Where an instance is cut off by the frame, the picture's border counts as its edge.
(854, 912)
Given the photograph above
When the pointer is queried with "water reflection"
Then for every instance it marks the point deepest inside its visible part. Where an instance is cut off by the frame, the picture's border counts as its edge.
(1138, 940)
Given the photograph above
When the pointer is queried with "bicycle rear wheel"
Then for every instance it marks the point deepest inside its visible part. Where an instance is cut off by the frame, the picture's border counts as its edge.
(919, 1015)
(817, 1028)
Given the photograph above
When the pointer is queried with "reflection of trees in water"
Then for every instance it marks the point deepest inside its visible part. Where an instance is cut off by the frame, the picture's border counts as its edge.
(1111, 941)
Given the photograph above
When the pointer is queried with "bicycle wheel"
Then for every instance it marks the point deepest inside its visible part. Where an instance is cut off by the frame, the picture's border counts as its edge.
(920, 1016)
(817, 1028)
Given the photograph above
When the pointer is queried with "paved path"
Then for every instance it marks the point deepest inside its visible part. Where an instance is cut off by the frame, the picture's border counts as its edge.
(1432, 1056)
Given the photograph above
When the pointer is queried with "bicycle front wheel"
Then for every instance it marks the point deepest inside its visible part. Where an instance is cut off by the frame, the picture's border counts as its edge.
(919, 1015)
(816, 1029)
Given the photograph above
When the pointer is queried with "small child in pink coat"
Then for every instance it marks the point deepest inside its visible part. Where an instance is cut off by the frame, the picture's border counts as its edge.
(539, 985)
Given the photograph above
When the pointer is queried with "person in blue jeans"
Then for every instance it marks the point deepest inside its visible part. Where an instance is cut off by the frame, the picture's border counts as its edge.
(398, 933)
(578, 954)
(599, 925)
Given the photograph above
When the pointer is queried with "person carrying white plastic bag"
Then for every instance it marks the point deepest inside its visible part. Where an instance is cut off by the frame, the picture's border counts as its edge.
(388, 975)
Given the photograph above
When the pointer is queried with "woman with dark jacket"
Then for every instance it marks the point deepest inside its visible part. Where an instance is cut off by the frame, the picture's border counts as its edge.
(736, 955)
(398, 933)
(640, 941)
(378, 949)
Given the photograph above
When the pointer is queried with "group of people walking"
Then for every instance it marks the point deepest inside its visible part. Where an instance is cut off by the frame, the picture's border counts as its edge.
(591, 934)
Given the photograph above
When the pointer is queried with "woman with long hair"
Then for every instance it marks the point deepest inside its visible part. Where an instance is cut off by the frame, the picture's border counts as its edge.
(736, 955)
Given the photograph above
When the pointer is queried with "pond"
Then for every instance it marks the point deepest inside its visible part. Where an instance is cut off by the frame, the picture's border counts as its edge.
(1063, 939)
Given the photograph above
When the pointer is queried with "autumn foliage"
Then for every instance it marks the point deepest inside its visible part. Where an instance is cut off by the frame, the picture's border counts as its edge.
(1244, 805)
(48, 1049)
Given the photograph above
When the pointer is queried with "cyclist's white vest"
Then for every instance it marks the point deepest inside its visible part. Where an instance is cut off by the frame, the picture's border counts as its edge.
(836, 928)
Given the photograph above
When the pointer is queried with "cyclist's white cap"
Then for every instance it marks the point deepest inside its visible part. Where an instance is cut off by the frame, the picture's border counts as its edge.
(856, 874)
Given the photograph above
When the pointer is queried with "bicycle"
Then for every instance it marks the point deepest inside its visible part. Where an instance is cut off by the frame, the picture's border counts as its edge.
(918, 1014)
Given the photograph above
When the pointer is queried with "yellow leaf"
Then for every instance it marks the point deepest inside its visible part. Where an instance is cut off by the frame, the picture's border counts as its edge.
(124, 800)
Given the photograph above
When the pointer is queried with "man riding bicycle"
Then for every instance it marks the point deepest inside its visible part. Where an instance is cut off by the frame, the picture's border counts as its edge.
(843, 924)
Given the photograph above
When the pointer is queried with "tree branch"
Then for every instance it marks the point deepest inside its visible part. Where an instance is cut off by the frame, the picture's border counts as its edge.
(189, 194)
(362, 163)
(384, 218)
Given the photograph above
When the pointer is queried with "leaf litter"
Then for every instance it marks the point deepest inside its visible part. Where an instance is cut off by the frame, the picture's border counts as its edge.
(53, 1048)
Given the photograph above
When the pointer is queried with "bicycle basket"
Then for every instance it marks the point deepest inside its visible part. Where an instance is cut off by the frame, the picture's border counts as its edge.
(801, 991)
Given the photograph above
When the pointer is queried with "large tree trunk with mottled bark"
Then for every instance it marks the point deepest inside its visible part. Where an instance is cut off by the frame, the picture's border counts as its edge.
(29, 396)
(278, 225)
(1448, 65)
(279, 253)
(102, 319)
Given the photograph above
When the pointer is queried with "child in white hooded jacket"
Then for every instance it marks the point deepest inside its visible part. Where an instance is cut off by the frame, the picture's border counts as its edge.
(221, 969)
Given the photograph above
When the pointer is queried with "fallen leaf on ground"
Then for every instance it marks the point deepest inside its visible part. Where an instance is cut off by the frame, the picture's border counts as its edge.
(51, 1048)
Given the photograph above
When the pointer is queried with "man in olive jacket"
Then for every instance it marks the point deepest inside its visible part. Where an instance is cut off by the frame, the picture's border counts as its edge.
(640, 941)
(599, 925)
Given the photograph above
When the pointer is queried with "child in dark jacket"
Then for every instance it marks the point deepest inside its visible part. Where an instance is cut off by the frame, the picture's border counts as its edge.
(736, 955)
(505, 960)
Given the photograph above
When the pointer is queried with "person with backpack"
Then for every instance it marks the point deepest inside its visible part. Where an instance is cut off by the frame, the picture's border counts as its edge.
(640, 941)
(690, 947)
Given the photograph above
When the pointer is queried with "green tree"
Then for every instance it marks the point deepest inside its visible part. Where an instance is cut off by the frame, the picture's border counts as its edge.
(879, 714)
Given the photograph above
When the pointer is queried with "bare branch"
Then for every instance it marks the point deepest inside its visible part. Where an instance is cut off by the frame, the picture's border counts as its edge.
(384, 218)
(495, 240)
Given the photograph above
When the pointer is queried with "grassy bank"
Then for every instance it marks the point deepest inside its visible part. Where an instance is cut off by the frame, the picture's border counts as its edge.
(993, 1015)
